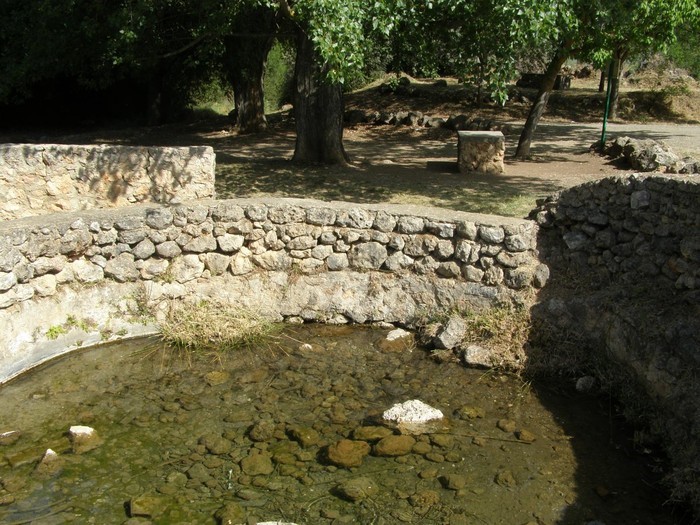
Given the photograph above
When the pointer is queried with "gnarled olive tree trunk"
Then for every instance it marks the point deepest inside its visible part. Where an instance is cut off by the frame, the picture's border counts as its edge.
(318, 109)
(246, 56)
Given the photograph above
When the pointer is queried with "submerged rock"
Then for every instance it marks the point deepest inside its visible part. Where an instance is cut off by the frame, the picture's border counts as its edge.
(506, 425)
(83, 439)
(394, 446)
(357, 489)
(348, 453)
(50, 464)
(371, 433)
(215, 443)
(230, 514)
(453, 481)
(525, 436)
(586, 384)
(305, 436)
(146, 506)
(263, 430)
(424, 499)
(10, 437)
(216, 377)
(397, 340)
(257, 464)
(506, 479)
(470, 412)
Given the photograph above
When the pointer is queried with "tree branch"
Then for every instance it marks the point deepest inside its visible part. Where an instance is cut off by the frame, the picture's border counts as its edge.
(286, 9)
(186, 47)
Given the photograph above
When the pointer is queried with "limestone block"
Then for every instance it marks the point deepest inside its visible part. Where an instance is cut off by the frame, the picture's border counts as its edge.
(337, 261)
(369, 256)
(45, 285)
(475, 356)
(122, 268)
(481, 151)
(187, 268)
(452, 334)
(86, 272)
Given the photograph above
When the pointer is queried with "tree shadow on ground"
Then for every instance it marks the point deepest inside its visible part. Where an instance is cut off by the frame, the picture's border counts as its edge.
(394, 165)
(436, 184)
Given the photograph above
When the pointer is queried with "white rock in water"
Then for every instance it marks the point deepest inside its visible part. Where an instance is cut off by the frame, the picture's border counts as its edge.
(275, 523)
(413, 411)
(398, 333)
(50, 463)
(83, 439)
(80, 430)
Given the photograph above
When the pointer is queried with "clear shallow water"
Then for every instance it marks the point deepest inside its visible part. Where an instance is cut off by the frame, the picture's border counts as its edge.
(185, 436)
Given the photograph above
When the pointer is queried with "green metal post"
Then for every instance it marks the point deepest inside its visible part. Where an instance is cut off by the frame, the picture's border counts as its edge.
(607, 106)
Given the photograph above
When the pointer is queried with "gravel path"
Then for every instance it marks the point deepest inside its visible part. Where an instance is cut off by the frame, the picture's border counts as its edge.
(683, 139)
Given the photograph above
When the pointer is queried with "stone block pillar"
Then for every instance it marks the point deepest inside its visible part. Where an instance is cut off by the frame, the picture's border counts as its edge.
(481, 151)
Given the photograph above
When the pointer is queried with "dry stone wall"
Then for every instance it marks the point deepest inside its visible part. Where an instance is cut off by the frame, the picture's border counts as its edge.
(627, 229)
(40, 179)
(296, 260)
(625, 259)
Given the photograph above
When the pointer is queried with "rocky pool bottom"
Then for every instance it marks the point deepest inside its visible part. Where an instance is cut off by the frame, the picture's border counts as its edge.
(292, 432)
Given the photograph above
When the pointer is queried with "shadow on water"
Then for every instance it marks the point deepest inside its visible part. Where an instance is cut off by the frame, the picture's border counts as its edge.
(624, 474)
(619, 465)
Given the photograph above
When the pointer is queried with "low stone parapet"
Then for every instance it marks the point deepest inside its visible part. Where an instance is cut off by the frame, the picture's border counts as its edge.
(481, 151)
(67, 278)
(37, 179)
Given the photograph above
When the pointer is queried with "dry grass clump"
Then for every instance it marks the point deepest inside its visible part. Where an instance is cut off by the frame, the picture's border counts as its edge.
(212, 325)
(504, 330)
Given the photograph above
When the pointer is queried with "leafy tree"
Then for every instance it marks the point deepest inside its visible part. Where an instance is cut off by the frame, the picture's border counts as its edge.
(171, 45)
(329, 36)
(162, 50)
(634, 27)
(685, 51)
(479, 40)
(46, 39)
(612, 28)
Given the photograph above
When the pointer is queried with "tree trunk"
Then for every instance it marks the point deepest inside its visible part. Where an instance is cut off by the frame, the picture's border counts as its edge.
(318, 110)
(538, 107)
(246, 57)
(249, 100)
(154, 110)
(614, 80)
(601, 84)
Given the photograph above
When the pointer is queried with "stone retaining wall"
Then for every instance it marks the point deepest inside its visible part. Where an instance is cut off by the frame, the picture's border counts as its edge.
(627, 229)
(625, 290)
(69, 279)
(40, 179)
